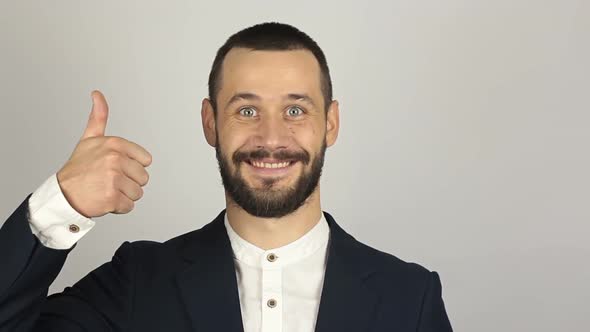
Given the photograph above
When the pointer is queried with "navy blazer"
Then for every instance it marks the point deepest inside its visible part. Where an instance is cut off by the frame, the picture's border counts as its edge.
(188, 283)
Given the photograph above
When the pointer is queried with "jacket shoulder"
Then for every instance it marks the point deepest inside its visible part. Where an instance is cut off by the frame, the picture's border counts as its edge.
(155, 253)
(393, 267)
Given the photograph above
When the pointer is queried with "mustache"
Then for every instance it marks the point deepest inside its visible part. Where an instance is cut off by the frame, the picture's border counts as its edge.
(281, 155)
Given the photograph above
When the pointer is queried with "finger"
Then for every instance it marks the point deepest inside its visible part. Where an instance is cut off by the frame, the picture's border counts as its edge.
(97, 120)
(135, 151)
(129, 188)
(124, 204)
(135, 171)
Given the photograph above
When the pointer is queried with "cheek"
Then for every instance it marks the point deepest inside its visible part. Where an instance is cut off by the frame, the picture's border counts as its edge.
(307, 134)
(304, 129)
(232, 139)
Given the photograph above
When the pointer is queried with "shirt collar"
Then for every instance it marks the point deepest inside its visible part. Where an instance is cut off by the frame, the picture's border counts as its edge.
(304, 246)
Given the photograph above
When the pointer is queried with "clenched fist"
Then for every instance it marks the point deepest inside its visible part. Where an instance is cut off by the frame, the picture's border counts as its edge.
(104, 173)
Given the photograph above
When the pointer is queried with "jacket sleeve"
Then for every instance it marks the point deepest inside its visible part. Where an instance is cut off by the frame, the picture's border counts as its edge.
(101, 301)
(433, 316)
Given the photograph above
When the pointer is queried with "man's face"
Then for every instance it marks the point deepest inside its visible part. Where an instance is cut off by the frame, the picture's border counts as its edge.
(270, 130)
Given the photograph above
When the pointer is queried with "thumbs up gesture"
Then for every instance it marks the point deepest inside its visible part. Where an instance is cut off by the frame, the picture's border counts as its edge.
(104, 174)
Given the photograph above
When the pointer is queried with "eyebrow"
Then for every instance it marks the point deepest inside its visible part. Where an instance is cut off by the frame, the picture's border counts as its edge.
(252, 96)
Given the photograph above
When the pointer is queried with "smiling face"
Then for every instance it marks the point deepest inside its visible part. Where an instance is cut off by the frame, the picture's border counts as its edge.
(271, 129)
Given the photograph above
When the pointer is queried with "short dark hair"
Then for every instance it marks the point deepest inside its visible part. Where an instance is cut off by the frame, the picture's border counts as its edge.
(270, 36)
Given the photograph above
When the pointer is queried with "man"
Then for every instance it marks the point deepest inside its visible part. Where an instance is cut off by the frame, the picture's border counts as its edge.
(271, 261)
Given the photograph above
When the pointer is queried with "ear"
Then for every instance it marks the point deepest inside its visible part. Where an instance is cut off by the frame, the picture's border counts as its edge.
(208, 119)
(332, 123)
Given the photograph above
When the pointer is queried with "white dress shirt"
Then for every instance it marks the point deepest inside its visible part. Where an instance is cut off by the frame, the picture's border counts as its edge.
(279, 289)
(53, 220)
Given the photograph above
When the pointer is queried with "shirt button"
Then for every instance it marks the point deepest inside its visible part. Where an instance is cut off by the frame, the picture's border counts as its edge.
(271, 257)
(74, 228)
(271, 303)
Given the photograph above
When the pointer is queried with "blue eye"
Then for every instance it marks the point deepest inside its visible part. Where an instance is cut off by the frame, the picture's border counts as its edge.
(249, 111)
(296, 108)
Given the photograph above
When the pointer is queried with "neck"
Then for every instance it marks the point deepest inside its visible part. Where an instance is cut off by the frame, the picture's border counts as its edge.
(270, 233)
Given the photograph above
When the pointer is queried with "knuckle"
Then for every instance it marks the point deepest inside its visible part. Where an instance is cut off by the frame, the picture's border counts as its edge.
(113, 157)
(111, 196)
(113, 176)
(114, 190)
(116, 142)
(113, 141)
(119, 179)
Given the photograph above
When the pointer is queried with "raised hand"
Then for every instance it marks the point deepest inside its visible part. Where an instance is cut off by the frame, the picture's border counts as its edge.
(104, 174)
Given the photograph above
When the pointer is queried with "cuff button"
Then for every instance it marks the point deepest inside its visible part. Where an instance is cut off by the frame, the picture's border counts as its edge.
(74, 228)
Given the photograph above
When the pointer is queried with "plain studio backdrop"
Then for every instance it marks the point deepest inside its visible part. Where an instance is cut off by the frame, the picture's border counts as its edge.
(464, 140)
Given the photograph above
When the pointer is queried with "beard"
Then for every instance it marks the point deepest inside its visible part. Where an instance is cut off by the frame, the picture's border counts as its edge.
(269, 202)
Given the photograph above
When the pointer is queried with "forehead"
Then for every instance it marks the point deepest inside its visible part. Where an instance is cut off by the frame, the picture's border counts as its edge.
(269, 74)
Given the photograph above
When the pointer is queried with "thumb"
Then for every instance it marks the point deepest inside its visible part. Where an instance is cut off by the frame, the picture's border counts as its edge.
(97, 120)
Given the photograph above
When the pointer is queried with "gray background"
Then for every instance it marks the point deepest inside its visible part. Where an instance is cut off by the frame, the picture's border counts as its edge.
(463, 143)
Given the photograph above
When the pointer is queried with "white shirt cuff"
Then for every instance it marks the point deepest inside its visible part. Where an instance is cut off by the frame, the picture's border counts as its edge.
(53, 220)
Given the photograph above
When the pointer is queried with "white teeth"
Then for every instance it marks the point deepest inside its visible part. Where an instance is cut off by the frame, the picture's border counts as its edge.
(270, 165)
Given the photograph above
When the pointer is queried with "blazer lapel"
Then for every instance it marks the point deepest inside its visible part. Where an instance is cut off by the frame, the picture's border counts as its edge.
(346, 303)
(208, 285)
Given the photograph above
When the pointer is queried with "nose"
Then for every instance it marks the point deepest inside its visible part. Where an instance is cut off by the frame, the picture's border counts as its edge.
(272, 133)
